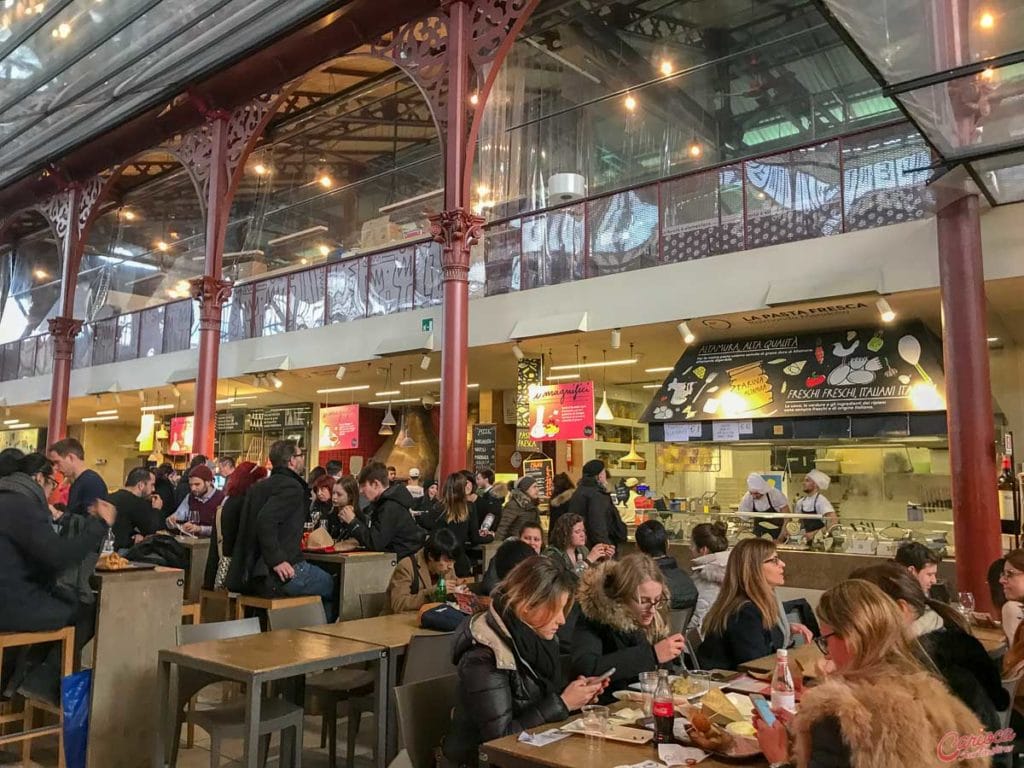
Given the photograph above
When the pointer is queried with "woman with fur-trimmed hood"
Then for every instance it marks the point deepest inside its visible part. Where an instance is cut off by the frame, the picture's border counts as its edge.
(622, 623)
(882, 707)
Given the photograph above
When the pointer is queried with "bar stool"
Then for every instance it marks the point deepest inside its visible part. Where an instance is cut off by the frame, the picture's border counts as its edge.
(66, 637)
(210, 597)
(191, 612)
(270, 603)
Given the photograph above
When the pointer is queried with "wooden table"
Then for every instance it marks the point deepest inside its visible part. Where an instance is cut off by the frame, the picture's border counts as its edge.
(992, 638)
(808, 656)
(256, 659)
(198, 554)
(137, 613)
(392, 632)
(576, 751)
(358, 573)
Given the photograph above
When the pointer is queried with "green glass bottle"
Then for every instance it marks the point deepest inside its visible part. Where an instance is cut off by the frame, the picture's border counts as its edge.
(441, 594)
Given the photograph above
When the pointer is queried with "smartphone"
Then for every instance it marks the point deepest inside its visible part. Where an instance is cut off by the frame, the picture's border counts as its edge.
(606, 675)
(763, 709)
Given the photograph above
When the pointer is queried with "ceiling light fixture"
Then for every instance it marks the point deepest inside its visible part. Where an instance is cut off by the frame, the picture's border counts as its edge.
(325, 181)
(396, 401)
(161, 407)
(986, 20)
(666, 67)
(353, 388)
(474, 99)
(8, 422)
(695, 150)
(388, 392)
(884, 310)
(260, 169)
(20, 425)
(602, 364)
(604, 413)
(616, 338)
(993, 339)
(101, 418)
(340, 373)
(630, 103)
(662, 369)
(225, 401)
(175, 391)
(686, 333)
(41, 274)
(652, 386)
(563, 377)
(128, 215)
(112, 412)
(517, 351)
(276, 381)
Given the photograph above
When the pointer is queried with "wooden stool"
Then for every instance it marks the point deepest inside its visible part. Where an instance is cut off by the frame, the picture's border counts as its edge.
(215, 596)
(66, 637)
(270, 603)
(190, 611)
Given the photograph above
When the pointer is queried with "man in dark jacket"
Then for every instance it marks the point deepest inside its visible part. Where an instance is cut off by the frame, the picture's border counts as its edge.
(136, 517)
(181, 490)
(387, 524)
(270, 536)
(652, 540)
(68, 458)
(487, 502)
(592, 502)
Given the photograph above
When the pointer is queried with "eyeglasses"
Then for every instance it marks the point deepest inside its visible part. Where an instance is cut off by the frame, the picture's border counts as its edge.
(1010, 574)
(822, 642)
(647, 603)
(776, 560)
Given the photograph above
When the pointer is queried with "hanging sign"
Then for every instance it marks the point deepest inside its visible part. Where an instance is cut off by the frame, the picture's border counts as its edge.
(339, 428)
(860, 371)
(528, 374)
(180, 438)
(147, 429)
(562, 411)
(485, 445)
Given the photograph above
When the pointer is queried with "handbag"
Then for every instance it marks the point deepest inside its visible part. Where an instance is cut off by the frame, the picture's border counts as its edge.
(223, 563)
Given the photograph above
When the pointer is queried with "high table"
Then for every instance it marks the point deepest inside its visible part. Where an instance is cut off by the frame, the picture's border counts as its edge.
(392, 632)
(257, 659)
(137, 613)
(358, 573)
(576, 751)
(198, 554)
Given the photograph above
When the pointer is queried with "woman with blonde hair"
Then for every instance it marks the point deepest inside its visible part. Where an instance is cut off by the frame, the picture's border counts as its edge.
(510, 676)
(458, 514)
(622, 623)
(882, 707)
(747, 621)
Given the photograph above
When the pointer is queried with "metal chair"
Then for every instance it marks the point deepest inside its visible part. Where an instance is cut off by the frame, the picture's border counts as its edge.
(228, 721)
(1010, 686)
(371, 604)
(428, 657)
(679, 618)
(424, 717)
(329, 689)
(693, 643)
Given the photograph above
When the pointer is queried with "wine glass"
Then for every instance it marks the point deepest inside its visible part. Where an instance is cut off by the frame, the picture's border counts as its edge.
(967, 604)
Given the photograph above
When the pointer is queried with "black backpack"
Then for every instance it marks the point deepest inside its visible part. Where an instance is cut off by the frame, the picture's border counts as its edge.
(159, 550)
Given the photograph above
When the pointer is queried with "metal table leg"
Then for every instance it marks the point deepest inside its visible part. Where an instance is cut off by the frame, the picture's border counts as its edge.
(386, 739)
(251, 745)
(164, 712)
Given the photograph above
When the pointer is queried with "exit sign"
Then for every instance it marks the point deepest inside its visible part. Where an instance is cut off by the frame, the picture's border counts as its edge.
(427, 325)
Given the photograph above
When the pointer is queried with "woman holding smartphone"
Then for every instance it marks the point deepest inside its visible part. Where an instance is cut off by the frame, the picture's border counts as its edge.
(510, 678)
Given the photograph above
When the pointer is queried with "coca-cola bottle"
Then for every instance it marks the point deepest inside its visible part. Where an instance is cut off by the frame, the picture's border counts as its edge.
(664, 711)
(783, 688)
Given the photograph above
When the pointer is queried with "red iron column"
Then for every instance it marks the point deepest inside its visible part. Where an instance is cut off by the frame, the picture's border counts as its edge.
(211, 292)
(456, 228)
(64, 330)
(968, 397)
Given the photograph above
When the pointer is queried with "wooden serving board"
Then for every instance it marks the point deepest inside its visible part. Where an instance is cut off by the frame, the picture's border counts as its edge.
(621, 733)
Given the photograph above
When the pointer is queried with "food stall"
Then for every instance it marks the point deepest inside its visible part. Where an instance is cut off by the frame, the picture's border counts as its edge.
(863, 405)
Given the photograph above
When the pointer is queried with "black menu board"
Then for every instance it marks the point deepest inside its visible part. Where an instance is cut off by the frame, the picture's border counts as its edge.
(279, 417)
(543, 471)
(485, 445)
(230, 421)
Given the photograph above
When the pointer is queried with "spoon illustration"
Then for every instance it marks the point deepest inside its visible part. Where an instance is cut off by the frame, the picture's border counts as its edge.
(910, 350)
(709, 379)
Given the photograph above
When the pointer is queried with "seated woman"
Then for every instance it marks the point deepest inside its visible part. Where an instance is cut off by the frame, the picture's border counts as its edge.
(622, 622)
(32, 557)
(747, 621)
(882, 706)
(1011, 610)
(510, 678)
(415, 578)
(567, 545)
(1012, 582)
(959, 657)
(710, 552)
(344, 497)
(321, 506)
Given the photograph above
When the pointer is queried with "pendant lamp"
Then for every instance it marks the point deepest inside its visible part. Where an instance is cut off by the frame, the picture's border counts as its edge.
(404, 441)
(385, 429)
(632, 457)
(604, 413)
(389, 418)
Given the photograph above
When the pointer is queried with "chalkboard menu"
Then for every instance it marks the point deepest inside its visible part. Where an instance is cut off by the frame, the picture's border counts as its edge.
(231, 421)
(543, 471)
(485, 444)
(278, 417)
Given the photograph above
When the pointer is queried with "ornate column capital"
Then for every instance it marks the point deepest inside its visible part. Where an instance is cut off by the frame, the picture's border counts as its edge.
(457, 231)
(211, 293)
(64, 331)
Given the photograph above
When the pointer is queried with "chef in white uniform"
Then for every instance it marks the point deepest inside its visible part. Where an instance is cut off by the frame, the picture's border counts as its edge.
(814, 502)
(762, 497)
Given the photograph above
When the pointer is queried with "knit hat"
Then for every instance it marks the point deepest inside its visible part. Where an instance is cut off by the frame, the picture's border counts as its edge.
(202, 472)
(593, 468)
(525, 483)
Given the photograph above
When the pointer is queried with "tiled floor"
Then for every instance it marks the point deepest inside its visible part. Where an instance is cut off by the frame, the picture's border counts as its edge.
(44, 753)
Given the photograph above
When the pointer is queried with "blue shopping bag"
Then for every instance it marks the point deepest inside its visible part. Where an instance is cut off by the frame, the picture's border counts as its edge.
(75, 694)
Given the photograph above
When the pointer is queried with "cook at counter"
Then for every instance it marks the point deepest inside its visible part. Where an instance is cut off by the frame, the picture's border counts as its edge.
(762, 497)
(813, 502)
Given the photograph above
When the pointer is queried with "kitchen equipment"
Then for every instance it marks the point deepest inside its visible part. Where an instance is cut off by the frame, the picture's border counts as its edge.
(830, 467)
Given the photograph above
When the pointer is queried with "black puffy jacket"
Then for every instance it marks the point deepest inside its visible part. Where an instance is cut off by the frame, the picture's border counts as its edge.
(388, 524)
(498, 692)
(600, 516)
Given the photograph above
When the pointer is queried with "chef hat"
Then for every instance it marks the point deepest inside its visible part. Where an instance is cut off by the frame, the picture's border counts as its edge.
(756, 483)
(820, 479)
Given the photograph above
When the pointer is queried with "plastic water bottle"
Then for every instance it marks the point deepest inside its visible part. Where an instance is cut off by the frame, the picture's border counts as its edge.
(783, 689)
(108, 544)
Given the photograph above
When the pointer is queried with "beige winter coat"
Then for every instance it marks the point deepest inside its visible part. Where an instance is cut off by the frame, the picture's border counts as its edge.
(888, 721)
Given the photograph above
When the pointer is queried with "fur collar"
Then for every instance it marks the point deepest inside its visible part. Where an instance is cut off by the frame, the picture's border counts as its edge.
(521, 500)
(562, 498)
(927, 622)
(890, 719)
(484, 634)
(599, 607)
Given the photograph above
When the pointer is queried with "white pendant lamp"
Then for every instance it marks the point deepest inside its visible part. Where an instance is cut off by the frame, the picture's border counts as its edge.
(389, 418)
(404, 441)
(386, 429)
(604, 413)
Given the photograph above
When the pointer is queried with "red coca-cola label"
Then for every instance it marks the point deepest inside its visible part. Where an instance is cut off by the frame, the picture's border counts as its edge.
(663, 709)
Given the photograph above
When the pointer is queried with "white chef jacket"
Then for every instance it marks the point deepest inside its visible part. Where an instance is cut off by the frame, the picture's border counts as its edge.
(777, 500)
(815, 504)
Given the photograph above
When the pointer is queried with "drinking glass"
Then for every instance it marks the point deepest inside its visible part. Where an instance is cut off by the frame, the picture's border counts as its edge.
(967, 604)
(700, 682)
(595, 723)
(649, 686)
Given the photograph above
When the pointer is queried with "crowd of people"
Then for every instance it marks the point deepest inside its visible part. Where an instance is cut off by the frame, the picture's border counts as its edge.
(554, 625)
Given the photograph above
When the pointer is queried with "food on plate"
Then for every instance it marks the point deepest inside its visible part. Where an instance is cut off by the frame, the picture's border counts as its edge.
(685, 686)
(719, 709)
(113, 562)
(706, 735)
(744, 729)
